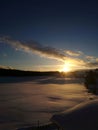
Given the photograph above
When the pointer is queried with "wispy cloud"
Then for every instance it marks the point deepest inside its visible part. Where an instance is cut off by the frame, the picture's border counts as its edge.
(5, 67)
(92, 64)
(35, 47)
(67, 56)
(73, 53)
(90, 58)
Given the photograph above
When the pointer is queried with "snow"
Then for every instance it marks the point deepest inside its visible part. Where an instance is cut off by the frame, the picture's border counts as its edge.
(25, 100)
(81, 117)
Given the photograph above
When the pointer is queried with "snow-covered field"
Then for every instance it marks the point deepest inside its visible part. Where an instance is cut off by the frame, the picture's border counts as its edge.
(25, 100)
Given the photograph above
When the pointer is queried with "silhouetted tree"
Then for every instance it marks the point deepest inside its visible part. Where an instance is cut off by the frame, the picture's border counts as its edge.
(90, 81)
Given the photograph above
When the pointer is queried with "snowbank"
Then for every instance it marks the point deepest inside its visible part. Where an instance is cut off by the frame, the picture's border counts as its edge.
(82, 117)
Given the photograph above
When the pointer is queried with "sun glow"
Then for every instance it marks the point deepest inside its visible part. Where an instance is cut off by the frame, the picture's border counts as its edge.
(66, 67)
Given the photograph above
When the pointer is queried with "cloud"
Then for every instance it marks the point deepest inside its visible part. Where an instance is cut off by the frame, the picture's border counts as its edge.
(92, 64)
(73, 53)
(5, 67)
(85, 62)
(76, 63)
(91, 58)
(34, 47)
(96, 59)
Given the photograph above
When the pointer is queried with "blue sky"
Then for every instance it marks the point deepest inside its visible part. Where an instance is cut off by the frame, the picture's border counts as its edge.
(46, 35)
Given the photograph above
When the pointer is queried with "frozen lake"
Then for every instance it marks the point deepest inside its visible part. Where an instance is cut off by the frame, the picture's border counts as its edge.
(25, 100)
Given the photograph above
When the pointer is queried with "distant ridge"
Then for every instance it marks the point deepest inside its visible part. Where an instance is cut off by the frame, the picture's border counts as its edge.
(14, 72)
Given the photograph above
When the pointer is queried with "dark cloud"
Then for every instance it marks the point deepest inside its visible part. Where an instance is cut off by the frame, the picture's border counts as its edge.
(35, 47)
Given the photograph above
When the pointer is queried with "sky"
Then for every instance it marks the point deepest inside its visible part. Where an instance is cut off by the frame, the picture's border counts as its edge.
(49, 35)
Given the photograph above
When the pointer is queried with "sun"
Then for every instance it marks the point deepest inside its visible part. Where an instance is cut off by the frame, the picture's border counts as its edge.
(66, 67)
